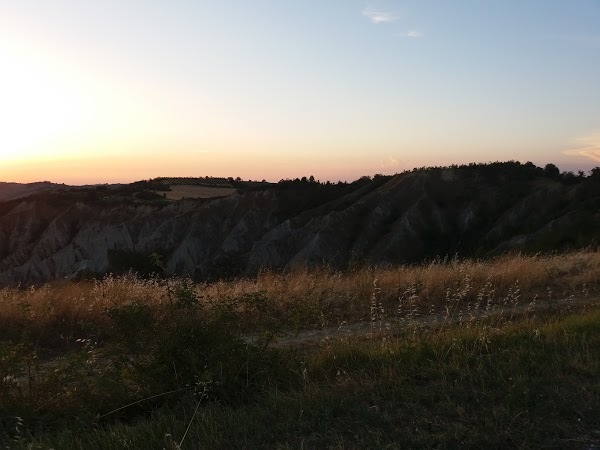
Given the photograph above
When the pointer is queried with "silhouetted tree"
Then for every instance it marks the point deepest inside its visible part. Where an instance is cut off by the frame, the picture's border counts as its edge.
(551, 170)
(569, 177)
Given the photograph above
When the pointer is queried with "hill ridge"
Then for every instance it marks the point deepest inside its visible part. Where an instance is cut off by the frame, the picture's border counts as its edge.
(472, 210)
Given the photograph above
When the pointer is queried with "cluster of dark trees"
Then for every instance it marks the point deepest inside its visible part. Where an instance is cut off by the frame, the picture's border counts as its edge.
(527, 169)
(509, 168)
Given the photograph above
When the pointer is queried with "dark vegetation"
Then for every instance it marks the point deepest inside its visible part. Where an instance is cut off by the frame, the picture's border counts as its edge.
(512, 172)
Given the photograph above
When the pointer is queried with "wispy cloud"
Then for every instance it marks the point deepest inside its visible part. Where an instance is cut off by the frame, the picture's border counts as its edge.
(378, 16)
(587, 146)
(389, 163)
(410, 34)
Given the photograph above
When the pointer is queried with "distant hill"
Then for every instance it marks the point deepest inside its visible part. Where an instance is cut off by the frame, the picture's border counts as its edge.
(11, 191)
(174, 188)
(475, 210)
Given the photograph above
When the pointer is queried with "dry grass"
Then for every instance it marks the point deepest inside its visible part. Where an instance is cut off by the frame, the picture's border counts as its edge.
(345, 296)
(104, 354)
(179, 191)
(339, 296)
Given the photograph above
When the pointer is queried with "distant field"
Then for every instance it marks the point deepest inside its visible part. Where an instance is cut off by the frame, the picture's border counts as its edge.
(178, 192)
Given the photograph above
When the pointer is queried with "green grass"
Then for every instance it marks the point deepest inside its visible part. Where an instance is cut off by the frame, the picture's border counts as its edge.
(529, 384)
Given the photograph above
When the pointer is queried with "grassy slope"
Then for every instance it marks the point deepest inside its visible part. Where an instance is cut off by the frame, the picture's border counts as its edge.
(60, 312)
(530, 385)
(71, 354)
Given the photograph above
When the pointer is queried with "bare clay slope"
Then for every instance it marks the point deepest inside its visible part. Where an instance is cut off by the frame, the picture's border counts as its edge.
(476, 210)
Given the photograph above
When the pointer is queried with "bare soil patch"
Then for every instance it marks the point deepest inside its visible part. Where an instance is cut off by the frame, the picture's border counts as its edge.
(178, 192)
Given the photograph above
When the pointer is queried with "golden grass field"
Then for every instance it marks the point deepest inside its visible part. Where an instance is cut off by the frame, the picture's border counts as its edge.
(339, 296)
(179, 191)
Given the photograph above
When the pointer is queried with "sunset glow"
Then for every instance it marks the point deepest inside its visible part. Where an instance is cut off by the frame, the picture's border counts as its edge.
(120, 92)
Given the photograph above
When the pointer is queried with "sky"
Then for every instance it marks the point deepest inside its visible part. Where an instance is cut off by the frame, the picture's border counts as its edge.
(117, 91)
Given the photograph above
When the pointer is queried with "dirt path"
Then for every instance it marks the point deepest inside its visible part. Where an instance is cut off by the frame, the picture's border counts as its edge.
(435, 320)
(394, 326)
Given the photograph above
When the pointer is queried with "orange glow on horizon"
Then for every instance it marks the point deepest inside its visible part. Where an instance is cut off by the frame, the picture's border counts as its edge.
(120, 166)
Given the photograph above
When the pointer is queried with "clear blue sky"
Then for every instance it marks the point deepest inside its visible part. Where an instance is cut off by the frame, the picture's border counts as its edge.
(123, 90)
